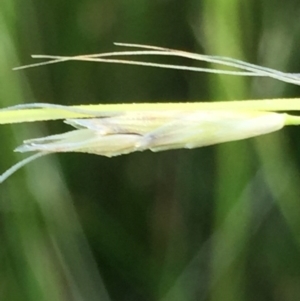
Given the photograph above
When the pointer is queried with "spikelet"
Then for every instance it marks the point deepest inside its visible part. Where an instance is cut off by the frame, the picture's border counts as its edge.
(111, 130)
(156, 131)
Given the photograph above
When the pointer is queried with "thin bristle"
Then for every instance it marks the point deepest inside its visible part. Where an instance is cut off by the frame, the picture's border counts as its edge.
(19, 165)
(248, 69)
(142, 46)
(50, 106)
(57, 59)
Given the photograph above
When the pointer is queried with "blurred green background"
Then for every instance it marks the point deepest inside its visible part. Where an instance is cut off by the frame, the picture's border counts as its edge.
(217, 223)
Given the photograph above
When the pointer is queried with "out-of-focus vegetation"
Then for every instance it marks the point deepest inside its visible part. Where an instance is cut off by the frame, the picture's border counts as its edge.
(218, 223)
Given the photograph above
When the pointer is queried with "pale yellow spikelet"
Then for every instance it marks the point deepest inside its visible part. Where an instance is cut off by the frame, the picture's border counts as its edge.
(116, 129)
(139, 131)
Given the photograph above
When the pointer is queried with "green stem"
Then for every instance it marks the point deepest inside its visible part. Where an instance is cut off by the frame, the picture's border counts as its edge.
(292, 120)
(32, 112)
